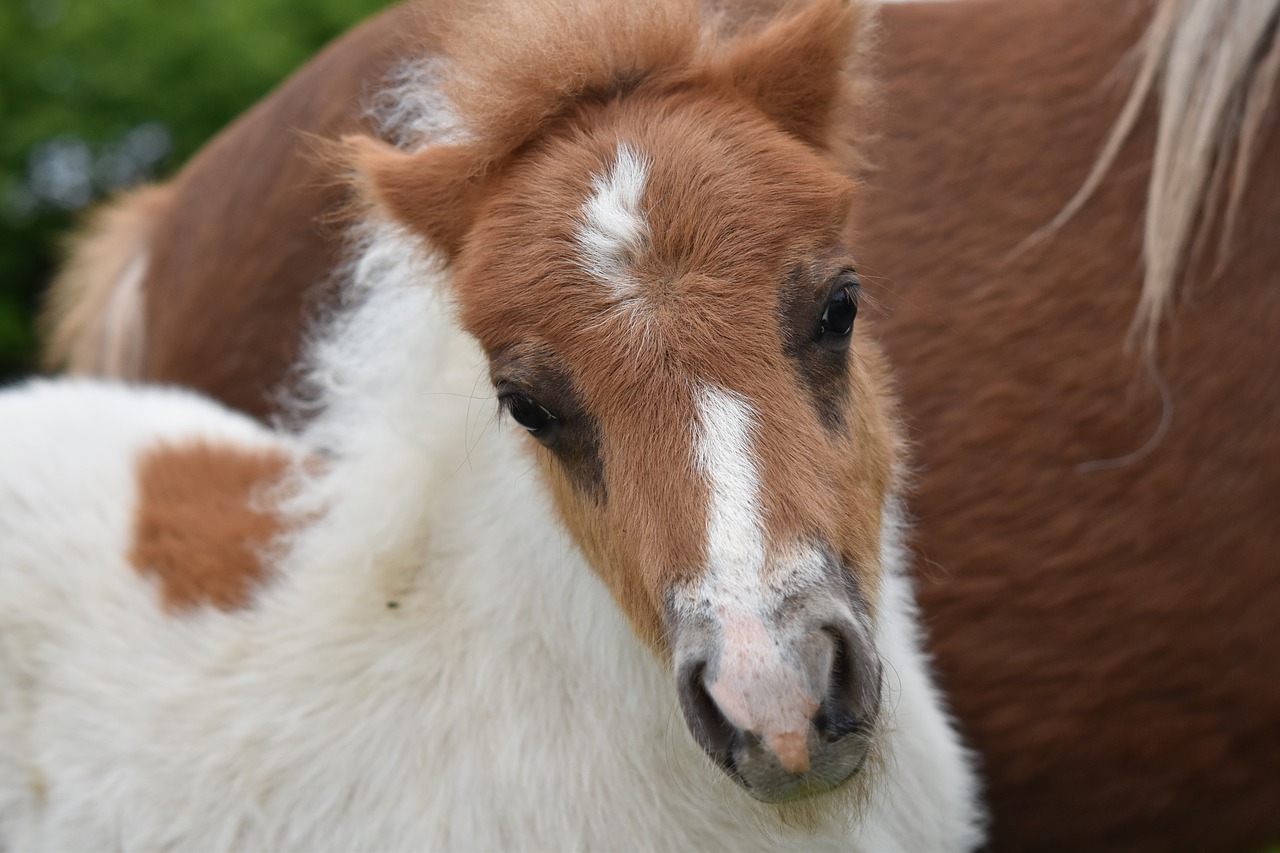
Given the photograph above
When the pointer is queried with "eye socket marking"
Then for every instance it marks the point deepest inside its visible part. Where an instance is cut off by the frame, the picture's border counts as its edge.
(540, 394)
(817, 308)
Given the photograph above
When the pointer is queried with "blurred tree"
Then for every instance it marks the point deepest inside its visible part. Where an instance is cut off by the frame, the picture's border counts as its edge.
(97, 95)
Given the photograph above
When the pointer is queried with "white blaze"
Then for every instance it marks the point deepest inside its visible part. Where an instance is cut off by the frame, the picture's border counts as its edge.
(735, 534)
(755, 688)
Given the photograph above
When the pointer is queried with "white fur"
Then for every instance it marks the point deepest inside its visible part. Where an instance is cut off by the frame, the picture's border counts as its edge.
(502, 703)
(739, 574)
(411, 111)
(613, 229)
(930, 796)
(726, 457)
(756, 688)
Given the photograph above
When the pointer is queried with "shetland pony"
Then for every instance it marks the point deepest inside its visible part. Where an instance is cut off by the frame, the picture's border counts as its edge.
(401, 626)
(1092, 498)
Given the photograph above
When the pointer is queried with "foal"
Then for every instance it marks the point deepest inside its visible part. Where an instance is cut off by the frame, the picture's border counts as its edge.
(406, 627)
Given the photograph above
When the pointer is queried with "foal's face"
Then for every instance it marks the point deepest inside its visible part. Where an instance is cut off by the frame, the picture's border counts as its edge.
(670, 312)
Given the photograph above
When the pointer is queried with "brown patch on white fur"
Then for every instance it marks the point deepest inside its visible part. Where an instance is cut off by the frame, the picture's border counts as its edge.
(740, 191)
(199, 530)
(93, 316)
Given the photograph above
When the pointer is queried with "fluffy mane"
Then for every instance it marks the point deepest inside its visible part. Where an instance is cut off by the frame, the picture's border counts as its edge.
(504, 72)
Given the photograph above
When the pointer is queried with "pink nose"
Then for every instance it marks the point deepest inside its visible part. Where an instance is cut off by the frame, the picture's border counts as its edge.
(783, 718)
(759, 691)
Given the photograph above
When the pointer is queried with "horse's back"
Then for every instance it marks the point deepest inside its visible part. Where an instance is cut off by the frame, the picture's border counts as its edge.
(1099, 540)
(245, 287)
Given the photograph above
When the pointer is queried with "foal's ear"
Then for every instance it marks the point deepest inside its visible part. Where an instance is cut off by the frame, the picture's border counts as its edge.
(796, 68)
(433, 192)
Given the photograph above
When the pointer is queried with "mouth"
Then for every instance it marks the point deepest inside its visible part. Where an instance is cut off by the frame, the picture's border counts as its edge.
(773, 784)
(833, 761)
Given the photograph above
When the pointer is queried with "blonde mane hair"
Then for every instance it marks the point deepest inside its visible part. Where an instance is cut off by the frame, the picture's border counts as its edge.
(1215, 65)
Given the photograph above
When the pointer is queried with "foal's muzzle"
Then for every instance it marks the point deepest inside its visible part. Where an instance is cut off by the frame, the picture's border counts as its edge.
(785, 705)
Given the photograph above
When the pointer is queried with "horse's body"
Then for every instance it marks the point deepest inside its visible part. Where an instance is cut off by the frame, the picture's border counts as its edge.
(414, 699)
(1102, 558)
(398, 627)
(1105, 585)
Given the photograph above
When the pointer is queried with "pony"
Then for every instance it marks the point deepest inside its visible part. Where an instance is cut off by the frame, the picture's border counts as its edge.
(392, 623)
(1067, 220)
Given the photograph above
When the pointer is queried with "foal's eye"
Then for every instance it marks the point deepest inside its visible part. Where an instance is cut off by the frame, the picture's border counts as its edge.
(837, 318)
(527, 412)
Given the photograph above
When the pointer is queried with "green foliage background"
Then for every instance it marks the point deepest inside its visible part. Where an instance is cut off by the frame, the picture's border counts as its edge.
(122, 90)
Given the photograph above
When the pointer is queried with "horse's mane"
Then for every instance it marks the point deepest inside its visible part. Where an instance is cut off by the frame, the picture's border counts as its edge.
(500, 71)
(1215, 65)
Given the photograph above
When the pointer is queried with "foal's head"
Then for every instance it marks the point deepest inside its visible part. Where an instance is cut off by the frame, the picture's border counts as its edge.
(650, 247)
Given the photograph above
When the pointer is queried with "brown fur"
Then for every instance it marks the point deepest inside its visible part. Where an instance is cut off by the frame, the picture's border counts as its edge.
(1105, 630)
(94, 315)
(275, 259)
(739, 193)
(199, 529)
(715, 316)
(1105, 633)
(528, 66)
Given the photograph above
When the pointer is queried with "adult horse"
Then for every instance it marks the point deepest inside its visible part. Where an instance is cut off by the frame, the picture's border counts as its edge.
(1093, 506)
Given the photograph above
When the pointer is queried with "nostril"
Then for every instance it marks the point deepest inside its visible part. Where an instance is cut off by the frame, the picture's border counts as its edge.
(838, 716)
(708, 724)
